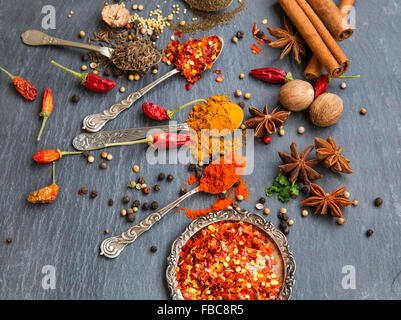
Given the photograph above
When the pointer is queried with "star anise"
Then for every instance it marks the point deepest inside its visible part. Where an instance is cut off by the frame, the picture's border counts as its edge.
(289, 40)
(265, 122)
(328, 152)
(299, 166)
(323, 201)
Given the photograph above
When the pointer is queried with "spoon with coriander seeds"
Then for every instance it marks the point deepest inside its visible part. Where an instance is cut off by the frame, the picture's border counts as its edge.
(134, 56)
(190, 58)
(218, 177)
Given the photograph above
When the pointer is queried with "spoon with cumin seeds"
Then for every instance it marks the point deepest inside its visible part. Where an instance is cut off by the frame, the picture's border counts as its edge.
(134, 56)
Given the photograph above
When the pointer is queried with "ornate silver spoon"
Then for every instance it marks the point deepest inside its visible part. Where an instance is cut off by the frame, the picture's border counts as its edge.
(95, 122)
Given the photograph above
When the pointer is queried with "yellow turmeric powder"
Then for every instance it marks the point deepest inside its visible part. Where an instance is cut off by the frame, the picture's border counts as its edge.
(220, 114)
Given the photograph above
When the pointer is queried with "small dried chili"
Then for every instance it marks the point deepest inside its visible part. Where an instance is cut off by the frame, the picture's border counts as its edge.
(51, 155)
(91, 81)
(156, 112)
(322, 83)
(47, 108)
(194, 56)
(161, 140)
(47, 194)
(24, 87)
(271, 75)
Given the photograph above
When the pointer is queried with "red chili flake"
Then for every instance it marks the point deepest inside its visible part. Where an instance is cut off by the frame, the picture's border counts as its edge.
(217, 71)
(220, 79)
(188, 86)
(178, 34)
(227, 261)
(255, 49)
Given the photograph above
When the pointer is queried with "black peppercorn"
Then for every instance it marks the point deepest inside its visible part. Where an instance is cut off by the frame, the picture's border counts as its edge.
(136, 204)
(126, 199)
(286, 230)
(235, 204)
(110, 202)
(141, 180)
(305, 190)
(130, 217)
(85, 57)
(284, 217)
(192, 167)
(117, 72)
(240, 34)
(241, 104)
(156, 187)
(259, 34)
(369, 232)
(198, 173)
(161, 176)
(9, 240)
(106, 72)
(378, 202)
(183, 191)
(75, 98)
(85, 153)
(145, 206)
(94, 194)
(154, 205)
(170, 178)
(283, 224)
(153, 249)
(153, 37)
(222, 196)
(262, 200)
(103, 165)
(236, 184)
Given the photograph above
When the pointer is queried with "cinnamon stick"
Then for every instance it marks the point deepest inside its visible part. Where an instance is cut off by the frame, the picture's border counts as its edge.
(314, 67)
(328, 39)
(332, 18)
(311, 37)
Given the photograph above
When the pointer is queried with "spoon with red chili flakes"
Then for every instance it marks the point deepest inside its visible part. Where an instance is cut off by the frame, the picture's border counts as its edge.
(218, 177)
(196, 54)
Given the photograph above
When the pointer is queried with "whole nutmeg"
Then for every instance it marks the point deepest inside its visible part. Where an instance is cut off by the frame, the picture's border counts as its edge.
(326, 110)
(296, 95)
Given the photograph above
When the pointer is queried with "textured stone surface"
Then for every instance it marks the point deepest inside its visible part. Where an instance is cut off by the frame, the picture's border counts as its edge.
(67, 233)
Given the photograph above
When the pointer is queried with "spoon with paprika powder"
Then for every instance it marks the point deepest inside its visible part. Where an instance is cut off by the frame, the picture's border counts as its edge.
(212, 44)
(218, 177)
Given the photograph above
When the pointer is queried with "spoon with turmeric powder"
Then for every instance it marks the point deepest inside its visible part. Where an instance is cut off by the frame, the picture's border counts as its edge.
(218, 177)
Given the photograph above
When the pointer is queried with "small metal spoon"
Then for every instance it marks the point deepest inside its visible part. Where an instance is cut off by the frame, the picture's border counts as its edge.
(113, 246)
(38, 38)
(95, 122)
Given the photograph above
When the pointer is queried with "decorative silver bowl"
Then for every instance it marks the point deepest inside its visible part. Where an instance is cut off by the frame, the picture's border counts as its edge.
(282, 253)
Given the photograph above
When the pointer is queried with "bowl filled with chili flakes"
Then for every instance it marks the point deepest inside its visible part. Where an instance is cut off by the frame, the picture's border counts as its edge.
(231, 255)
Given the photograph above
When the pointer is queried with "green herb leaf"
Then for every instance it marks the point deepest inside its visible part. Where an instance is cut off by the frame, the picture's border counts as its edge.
(284, 188)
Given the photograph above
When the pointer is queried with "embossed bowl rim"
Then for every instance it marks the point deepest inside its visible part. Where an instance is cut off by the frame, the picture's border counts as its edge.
(276, 236)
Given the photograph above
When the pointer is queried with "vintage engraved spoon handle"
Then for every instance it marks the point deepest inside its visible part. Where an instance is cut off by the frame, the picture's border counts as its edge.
(100, 140)
(38, 38)
(112, 247)
(95, 122)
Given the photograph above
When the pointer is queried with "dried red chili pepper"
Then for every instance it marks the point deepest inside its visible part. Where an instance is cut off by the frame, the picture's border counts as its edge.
(47, 194)
(158, 113)
(161, 140)
(24, 87)
(47, 108)
(272, 75)
(91, 81)
(322, 83)
(51, 155)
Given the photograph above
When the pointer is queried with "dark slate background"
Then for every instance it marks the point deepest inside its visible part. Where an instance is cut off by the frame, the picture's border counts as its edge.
(67, 233)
